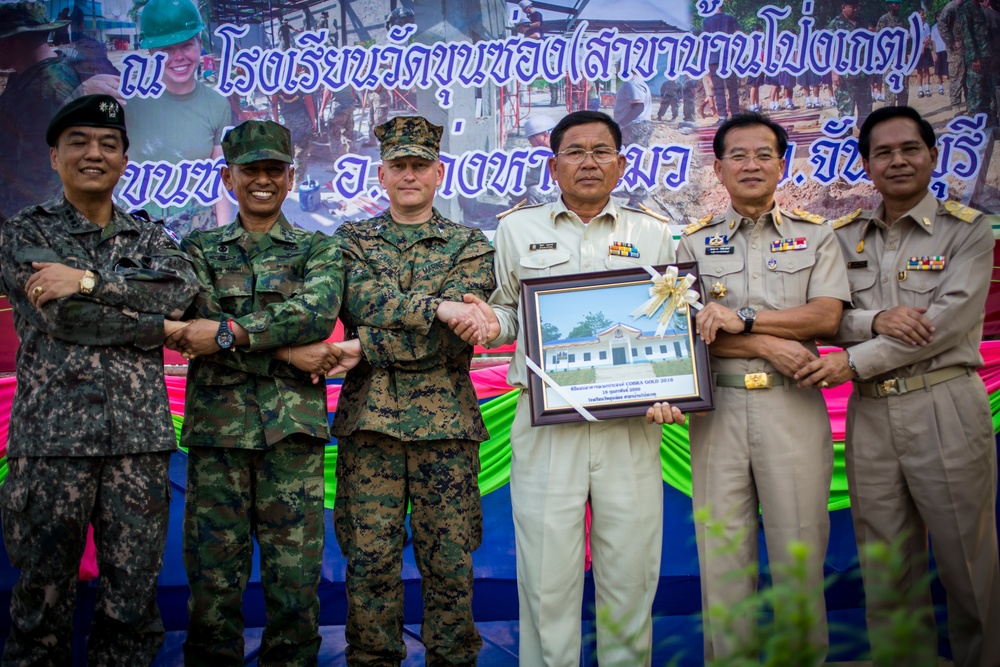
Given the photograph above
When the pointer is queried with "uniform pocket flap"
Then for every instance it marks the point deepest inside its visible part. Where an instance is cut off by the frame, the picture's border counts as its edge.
(544, 260)
(861, 280)
(720, 268)
(792, 262)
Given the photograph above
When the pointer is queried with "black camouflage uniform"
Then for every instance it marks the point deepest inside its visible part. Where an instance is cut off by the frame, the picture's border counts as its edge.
(90, 429)
(409, 425)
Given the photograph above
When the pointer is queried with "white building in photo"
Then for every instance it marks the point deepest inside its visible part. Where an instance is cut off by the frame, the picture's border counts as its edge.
(618, 345)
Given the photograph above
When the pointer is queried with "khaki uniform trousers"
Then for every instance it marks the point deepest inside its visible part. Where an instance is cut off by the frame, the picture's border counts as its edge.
(553, 471)
(770, 447)
(927, 460)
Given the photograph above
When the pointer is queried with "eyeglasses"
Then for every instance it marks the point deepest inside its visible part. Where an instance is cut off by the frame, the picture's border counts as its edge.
(578, 155)
(762, 159)
(884, 156)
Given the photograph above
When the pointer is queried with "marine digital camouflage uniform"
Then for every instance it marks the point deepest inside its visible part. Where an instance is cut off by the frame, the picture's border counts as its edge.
(90, 432)
(409, 425)
(853, 90)
(257, 431)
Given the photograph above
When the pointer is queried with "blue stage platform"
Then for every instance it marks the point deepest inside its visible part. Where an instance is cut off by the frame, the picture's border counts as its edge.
(677, 633)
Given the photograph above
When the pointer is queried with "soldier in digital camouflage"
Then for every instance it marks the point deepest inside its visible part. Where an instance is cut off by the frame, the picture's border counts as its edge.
(93, 291)
(408, 422)
(255, 421)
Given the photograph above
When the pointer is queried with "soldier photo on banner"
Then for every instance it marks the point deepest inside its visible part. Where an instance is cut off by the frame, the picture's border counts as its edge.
(485, 117)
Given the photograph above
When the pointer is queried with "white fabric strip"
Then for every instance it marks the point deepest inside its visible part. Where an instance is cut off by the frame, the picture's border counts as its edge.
(564, 395)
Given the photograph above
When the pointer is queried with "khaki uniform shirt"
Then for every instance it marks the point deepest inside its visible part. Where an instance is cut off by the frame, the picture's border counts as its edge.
(284, 290)
(566, 245)
(752, 275)
(954, 293)
(413, 383)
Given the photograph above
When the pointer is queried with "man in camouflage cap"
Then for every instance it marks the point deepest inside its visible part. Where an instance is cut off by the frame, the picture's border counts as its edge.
(255, 421)
(408, 422)
(93, 292)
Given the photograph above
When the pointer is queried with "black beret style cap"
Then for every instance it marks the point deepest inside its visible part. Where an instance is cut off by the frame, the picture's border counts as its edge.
(88, 111)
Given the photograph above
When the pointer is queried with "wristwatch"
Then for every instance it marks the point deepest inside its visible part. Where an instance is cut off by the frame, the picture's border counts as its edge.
(850, 362)
(748, 315)
(225, 338)
(88, 282)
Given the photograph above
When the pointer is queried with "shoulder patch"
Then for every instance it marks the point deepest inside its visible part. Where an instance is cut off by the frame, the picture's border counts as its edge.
(809, 217)
(648, 211)
(141, 214)
(962, 212)
(512, 209)
(846, 219)
(695, 226)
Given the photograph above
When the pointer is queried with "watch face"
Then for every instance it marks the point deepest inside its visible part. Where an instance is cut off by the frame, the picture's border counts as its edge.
(224, 339)
(87, 282)
(746, 313)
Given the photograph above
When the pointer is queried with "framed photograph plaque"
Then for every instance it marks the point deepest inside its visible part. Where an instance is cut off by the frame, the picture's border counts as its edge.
(614, 343)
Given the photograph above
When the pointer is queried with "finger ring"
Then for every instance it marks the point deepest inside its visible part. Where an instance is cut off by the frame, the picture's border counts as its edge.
(824, 385)
(37, 291)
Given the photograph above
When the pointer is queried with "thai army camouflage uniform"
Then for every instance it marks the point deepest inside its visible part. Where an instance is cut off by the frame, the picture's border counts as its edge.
(948, 26)
(902, 98)
(409, 425)
(854, 90)
(29, 101)
(256, 430)
(248, 416)
(90, 432)
(979, 45)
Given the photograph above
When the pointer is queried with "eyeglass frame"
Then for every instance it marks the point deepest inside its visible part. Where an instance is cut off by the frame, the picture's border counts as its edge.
(612, 154)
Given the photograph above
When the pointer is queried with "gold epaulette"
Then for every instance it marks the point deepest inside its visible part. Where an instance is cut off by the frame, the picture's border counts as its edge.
(641, 208)
(695, 226)
(961, 211)
(809, 217)
(846, 219)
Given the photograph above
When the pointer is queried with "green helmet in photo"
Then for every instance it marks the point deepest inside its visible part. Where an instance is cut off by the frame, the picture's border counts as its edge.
(166, 22)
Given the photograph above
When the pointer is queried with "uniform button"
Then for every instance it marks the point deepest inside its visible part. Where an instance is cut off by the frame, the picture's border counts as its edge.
(922, 285)
(790, 265)
(753, 245)
(892, 246)
(586, 265)
(719, 269)
(755, 275)
(885, 279)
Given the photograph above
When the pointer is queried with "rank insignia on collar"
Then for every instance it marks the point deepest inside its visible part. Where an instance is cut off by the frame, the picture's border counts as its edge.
(717, 240)
(772, 264)
(542, 246)
(718, 290)
(620, 249)
(926, 263)
(781, 245)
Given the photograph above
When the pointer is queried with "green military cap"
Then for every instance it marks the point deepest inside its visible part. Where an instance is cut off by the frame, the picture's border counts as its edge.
(409, 135)
(88, 111)
(18, 17)
(254, 140)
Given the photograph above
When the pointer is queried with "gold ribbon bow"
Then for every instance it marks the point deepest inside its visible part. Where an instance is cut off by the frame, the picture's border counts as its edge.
(670, 293)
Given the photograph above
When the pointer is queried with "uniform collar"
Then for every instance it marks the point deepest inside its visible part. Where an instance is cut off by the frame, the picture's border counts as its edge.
(734, 220)
(922, 215)
(385, 227)
(76, 223)
(559, 210)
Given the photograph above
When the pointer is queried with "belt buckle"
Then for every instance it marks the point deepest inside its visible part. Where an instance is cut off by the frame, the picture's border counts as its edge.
(757, 381)
(888, 388)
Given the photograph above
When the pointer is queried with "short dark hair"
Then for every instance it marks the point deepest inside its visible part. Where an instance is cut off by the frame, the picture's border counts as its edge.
(747, 119)
(582, 118)
(886, 113)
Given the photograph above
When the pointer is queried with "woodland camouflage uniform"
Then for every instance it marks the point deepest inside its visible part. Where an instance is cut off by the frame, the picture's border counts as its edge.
(256, 430)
